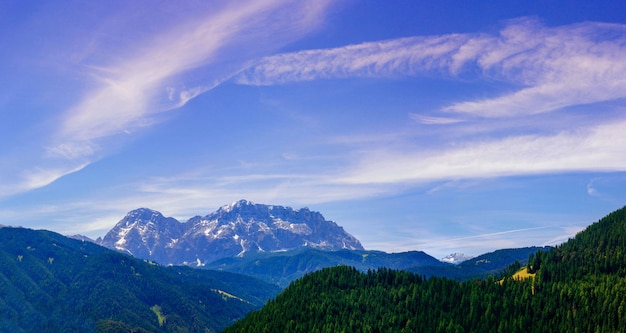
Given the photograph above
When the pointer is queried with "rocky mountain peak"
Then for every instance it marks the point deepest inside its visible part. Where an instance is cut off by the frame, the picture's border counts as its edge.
(232, 230)
(142, 232)
(456, 258)
(142, 216)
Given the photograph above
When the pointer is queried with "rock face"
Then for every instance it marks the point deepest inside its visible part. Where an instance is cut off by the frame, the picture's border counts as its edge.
(230, 231)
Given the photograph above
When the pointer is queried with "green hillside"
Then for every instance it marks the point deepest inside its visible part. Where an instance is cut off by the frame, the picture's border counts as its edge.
(283, 267)
(579, 286)
(50, 283)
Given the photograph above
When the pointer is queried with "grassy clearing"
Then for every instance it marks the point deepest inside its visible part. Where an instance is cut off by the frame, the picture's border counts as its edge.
(157, 310)
(522, 275)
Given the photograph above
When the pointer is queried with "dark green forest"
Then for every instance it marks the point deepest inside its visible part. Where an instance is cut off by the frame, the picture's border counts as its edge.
(50, 283)
(579, 286)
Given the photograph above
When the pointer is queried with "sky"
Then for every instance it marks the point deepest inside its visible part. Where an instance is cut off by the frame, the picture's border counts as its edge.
(439, 126)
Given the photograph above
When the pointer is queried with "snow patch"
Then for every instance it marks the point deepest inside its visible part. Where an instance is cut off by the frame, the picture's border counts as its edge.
(455, 258)
(296, 228)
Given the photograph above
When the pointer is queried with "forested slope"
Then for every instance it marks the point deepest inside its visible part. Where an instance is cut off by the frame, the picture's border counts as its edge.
(50, 283)
(283, 267)
(580, 286)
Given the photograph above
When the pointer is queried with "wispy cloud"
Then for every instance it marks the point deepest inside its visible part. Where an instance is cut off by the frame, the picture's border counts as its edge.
(591, 190)
(162, 71)
(389, 58)
(35, 177)
(131, 90)
(430, 120)
(440, 244)
(595, 149)
(554, 67)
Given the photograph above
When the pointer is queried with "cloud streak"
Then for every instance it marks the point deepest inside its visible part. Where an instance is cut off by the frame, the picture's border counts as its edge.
(597, 149)
(553, 67)
(549, 68)
(131, 84)
(130, 90)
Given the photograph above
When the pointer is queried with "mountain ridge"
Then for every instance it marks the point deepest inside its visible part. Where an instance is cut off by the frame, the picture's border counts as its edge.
(284, 267)
(230, 231)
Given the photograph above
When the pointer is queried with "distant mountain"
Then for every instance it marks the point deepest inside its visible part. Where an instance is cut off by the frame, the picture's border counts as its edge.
(233, 230)
(81, 238)
(283, 267)
(496, 260)
(455, 258)
(278, 244)
(51, 283)
(488, 264)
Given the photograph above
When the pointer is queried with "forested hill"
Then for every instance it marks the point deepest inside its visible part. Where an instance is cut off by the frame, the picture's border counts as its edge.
(50, 283)
(579, 286)
(599, 250)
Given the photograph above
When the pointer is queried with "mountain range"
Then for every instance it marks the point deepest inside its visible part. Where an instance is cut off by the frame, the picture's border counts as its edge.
(278, 244)
(284, 267)
(233, 230)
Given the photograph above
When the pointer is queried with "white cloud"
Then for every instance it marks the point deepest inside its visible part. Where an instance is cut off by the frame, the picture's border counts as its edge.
(132, 83)
(591, 190)
(72, 151)
(37, 177)
(596, 149)
(556, 67)
(399, 57)
(430, 120)
(131, 90)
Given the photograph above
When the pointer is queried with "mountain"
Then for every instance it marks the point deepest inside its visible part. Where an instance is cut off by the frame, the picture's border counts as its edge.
(233, 230)
(480, 267)
(455, 258)
(144, 233)
(277, 244)
(51, 283)
(283, 267)
(579, 286)
(81, 238)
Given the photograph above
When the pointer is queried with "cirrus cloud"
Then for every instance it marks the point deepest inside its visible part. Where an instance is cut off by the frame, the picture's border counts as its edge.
(554, 67)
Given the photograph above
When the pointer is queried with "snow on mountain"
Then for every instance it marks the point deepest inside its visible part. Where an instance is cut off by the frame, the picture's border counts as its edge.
(143, 233)
(456, 258)
(230, 231)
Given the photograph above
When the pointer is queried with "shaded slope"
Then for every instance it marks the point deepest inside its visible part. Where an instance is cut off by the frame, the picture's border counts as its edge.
(52, 283)
(284, 267)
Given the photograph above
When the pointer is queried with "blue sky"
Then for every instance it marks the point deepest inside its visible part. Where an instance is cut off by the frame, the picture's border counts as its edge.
(442, 126)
